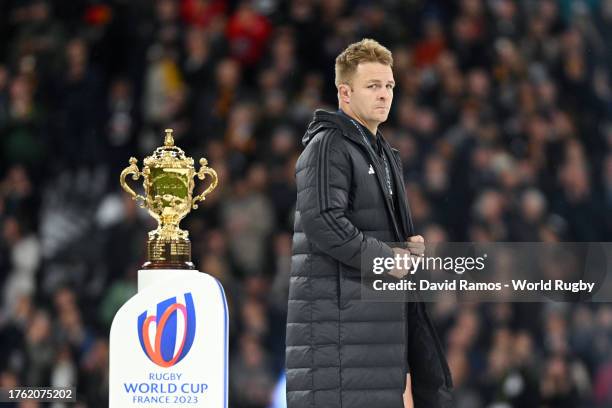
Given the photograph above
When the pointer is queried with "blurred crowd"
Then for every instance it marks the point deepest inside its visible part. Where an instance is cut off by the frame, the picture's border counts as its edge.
(502, 116)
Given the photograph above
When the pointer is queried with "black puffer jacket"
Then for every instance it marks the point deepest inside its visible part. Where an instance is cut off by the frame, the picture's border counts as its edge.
(341, 351)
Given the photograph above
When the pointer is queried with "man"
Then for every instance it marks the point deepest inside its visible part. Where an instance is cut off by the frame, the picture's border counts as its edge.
(341, 351)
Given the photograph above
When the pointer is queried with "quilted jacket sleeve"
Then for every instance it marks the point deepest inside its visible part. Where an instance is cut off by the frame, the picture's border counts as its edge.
(323, 182)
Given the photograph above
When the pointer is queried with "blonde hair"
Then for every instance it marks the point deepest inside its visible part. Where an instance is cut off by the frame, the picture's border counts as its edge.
(366, 50)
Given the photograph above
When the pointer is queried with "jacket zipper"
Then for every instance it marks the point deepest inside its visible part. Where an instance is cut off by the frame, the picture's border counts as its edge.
(382, 187)
(442, 360)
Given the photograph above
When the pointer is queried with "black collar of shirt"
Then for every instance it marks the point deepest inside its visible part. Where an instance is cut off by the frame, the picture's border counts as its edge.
(373, 139)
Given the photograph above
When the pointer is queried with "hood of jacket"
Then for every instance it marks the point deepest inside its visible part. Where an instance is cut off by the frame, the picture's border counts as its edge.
(323, 119)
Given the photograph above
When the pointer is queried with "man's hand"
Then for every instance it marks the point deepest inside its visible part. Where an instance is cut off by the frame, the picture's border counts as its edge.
(397, 272)
(415, 246)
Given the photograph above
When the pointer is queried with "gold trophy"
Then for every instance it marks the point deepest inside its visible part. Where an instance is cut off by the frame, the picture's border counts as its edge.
(168, 184)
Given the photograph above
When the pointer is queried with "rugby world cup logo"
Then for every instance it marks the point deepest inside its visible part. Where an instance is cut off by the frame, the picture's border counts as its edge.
(173, 320)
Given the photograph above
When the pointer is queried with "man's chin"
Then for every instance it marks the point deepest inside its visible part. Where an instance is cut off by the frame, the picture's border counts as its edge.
(379, 117)
(382, 117)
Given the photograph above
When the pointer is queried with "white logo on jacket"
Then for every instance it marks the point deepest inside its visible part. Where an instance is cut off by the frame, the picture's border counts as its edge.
(371, 171)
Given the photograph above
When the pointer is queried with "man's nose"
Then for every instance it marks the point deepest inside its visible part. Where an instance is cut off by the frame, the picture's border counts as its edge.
(384, 94)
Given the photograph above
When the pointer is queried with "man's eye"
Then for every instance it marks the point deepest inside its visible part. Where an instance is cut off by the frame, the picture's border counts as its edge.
(372, 86)
(390, 86)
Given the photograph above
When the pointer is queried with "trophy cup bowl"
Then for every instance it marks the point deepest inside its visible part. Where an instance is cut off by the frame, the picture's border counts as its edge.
(168, 181)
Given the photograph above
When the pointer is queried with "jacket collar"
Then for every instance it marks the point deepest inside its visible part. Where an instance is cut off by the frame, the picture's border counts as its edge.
(371, 137)
(323, 119)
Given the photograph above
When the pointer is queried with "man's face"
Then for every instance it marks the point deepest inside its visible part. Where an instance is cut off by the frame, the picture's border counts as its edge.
(372, 92)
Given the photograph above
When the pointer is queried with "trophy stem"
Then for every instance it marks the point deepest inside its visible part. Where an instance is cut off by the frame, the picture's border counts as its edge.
(168, 254)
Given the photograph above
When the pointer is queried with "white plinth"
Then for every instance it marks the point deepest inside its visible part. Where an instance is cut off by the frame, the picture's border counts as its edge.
(184, 364)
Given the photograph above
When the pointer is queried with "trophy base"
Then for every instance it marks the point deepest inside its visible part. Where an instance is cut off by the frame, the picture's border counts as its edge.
(169, 254)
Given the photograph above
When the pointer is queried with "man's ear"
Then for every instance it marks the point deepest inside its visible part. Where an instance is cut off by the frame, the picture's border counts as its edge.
(344, 93)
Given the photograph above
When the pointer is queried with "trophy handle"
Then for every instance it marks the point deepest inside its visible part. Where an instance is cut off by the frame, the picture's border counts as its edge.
(135, 172)
(204, 170)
